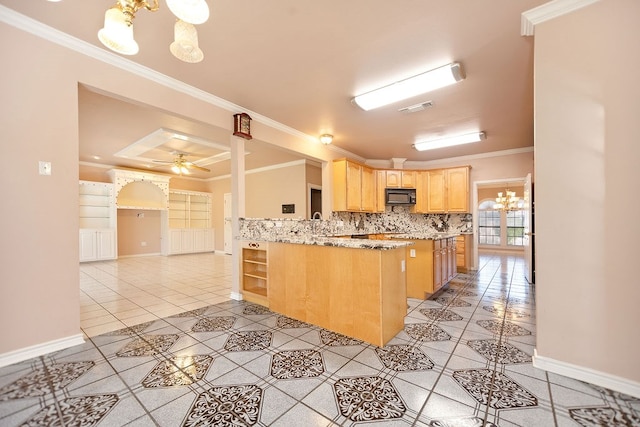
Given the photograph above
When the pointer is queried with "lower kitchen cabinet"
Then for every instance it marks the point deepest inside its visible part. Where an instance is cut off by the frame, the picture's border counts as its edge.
(431, 264)
(190, 240)
(97, 245)
(463, 250)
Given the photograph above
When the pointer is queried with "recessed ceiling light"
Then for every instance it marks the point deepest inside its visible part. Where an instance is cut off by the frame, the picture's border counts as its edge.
(96, 157)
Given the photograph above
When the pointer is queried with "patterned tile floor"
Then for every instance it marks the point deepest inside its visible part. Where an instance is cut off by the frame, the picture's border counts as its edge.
(463, 359)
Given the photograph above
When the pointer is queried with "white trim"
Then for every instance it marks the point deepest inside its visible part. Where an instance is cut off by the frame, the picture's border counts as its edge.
(140, 255)
(414, 164)
(27, 353)
(37, 28)
(264, 169)
(589, 375)
(548, 11)
(237, 296)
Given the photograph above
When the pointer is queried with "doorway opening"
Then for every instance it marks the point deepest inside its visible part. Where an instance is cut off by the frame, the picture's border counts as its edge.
(315, 200)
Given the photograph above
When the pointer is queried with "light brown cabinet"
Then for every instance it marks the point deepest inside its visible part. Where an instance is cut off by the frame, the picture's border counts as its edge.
(400, 179)
(354, 187)
(431, 264)
(463, 252)
(448, 190)
(255, 285)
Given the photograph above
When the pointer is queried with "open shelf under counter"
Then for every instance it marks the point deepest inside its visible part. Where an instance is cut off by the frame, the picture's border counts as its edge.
(255, 282)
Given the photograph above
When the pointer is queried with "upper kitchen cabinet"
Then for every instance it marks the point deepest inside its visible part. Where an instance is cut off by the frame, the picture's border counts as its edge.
(354, 187)
(448, 190)
(400, 179)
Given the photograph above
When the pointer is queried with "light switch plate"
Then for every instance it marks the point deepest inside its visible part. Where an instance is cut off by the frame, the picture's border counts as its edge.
(44, 168)
(412, 253)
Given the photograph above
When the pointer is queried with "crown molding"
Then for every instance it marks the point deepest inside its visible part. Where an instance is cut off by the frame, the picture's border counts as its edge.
(548, 11)
(410, 164)
(37, 28)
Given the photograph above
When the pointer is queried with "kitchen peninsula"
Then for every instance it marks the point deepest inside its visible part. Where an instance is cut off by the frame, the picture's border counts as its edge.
(351, 286)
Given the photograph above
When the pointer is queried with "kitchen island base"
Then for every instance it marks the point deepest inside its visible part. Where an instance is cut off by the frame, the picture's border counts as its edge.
(360, 293)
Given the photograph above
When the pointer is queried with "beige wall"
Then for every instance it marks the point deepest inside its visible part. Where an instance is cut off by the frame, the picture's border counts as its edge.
(39, 275)
(136, 226)
(587, 108)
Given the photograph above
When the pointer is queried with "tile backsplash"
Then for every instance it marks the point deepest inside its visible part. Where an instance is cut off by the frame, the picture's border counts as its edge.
(400, 220)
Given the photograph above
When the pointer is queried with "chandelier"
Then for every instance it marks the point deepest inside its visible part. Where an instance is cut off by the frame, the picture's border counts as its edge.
(117, 33)
(507, 201)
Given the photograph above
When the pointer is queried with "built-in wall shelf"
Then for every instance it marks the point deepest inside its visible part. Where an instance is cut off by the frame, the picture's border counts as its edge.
(254, 273)
(96, 221)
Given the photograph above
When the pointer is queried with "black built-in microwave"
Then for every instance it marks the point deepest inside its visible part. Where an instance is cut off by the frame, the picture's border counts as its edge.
(400, 196)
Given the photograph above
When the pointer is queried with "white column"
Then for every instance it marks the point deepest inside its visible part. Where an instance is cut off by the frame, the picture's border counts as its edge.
(237, 211)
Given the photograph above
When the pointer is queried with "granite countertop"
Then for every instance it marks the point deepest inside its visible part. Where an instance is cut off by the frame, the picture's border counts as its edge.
(423, 236)
(342, 242)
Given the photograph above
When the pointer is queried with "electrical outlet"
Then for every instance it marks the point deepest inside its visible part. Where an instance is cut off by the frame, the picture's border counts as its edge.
(44, 168)
(143, 243)
(403, 266)
(412, 253)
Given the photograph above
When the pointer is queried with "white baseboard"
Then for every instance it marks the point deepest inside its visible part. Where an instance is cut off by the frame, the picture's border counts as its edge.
(139, 255)
(589, 375)
(16, 356)
(237, 296)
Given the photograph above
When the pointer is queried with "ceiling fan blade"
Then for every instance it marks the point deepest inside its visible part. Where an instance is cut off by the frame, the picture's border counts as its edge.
(162, 161)
(194, 166)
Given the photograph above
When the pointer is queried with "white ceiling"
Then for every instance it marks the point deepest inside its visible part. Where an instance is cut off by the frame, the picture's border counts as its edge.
(299, 62)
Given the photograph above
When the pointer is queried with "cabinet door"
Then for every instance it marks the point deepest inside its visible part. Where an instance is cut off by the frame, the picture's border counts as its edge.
(368, 189)
(436, 191)
(380, 193)
(199, 239)
(421, 192)
(458, 189)
(88, 245)
(437, 269)
(354, 186)
(105, 244)
(175, 239)
(393, 179)
(408, 179)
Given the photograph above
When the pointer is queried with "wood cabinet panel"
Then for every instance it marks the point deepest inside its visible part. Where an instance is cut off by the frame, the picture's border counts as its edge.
(458, 189)
(436, 191)
(360, 293)
(368, 189)
(354, 187)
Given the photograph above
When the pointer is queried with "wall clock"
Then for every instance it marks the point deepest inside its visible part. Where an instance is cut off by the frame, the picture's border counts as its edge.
(242, 125)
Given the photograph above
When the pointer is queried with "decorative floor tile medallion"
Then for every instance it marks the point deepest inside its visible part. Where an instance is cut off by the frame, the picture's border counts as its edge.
(248, 341)
(289, 323)
(503, 353)
(441, 314)
(335, 339)
(296, 364)
(178, 371)
(148, 345)
(84, 411)
(236, 405)
(44, 380)
(499, 392)
(461, 422)
(256, 309)
(131, 330)
(426, 332)
(460, 293)
(452, 302)
(507, 328)
(368, 399)
(212, 324)
(192, 313)
(404, 358)
(508, 313)
(603, 416)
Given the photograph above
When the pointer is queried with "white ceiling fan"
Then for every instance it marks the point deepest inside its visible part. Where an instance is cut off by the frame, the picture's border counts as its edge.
(181, 166)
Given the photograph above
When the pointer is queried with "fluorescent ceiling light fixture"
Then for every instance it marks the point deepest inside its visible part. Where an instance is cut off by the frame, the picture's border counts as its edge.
(449, 141)
(413, 86)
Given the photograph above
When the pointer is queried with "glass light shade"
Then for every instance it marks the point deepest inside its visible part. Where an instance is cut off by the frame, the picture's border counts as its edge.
(185, 45)
(326, 139)
(117, 35)
(191, 11)
(175, 169)
(413, 86)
